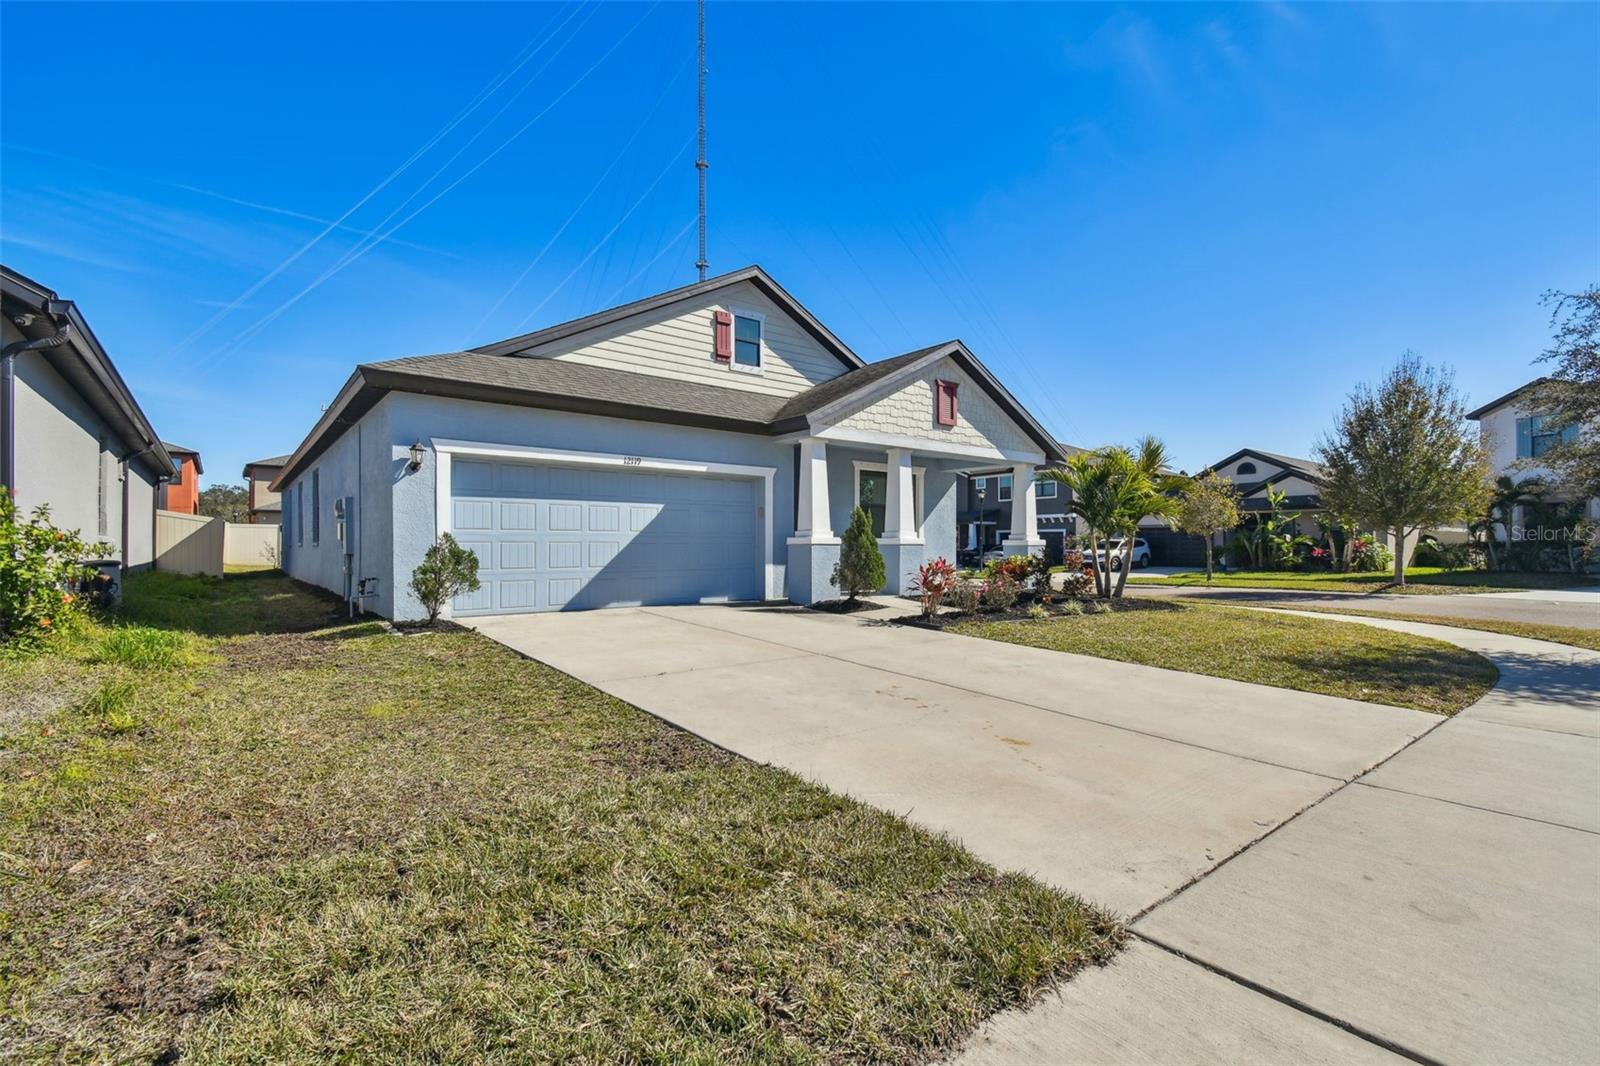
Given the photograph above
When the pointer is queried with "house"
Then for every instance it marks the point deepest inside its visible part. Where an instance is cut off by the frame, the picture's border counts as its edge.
(182, 493)
(1253, 472)
(984, 511)
(1516, 429)
(72, 436)
(705, 444)
(266, 506)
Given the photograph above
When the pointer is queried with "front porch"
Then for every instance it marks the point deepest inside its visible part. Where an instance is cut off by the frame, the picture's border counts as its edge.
(909, 492)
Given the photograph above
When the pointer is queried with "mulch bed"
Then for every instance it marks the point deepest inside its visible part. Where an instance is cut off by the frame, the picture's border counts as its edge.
(846, 606)
(1019, 613)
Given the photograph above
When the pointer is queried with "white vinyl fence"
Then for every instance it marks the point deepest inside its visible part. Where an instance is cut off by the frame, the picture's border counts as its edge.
(189, 543)
(247, 545)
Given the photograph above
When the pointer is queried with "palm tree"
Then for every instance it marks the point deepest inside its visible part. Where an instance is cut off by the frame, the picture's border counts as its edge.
(1505, 497)
(1111, 490)
(1149, 492)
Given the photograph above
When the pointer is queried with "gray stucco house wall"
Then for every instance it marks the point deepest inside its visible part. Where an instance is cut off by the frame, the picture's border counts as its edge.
(80, 444)
(702, 457)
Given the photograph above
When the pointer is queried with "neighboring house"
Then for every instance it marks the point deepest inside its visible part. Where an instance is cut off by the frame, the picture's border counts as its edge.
(984, 510)
(1253, 472)
(707, 444)
(182, 493)
(71, 434)
(266, 506)
(1516, 429)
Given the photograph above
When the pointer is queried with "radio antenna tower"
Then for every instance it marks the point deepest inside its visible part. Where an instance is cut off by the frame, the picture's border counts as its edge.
(700, 163)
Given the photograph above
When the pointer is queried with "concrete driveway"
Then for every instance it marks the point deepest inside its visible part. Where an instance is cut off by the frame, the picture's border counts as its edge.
(1118, 782)
(1444, 906)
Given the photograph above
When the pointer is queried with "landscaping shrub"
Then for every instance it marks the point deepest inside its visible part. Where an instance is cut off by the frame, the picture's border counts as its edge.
(962, 596)
(999, 593)
(1368, 556)
(1037, 612)
(41, 573)
(1075, 584)
(142, 648)
(1072, 607)
(446, 570)
(932, 582)
(860, 565)
(1447, 556)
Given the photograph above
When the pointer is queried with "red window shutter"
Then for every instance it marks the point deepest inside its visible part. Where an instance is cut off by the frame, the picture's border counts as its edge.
(724, 335)
(946, 411)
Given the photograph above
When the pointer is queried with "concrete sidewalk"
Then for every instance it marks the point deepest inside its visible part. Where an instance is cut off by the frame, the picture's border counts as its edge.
(1560, 607)
(1445, 905)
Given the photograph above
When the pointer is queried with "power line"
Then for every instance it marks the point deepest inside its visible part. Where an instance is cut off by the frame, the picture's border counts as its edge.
(476, 102)
(612, 299)
(361, 250)
(609, 234)
(575, 211)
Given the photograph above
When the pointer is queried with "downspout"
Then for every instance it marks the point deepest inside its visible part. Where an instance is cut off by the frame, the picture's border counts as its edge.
(57, 310)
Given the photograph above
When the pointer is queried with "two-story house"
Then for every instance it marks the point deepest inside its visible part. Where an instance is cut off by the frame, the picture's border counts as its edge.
(182, 493)
(1516, 430)
(266, 506)
(984, 512)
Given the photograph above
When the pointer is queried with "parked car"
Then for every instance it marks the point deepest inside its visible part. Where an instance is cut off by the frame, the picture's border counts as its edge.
(1141, 553)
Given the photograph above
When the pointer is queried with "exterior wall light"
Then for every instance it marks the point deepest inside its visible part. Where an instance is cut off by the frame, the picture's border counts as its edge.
(417, 453)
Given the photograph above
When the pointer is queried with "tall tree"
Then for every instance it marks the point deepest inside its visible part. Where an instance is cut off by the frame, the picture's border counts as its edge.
(1573, 391)
(1150, 492)
(1403, 456)
(228, 502)
(1209, 505)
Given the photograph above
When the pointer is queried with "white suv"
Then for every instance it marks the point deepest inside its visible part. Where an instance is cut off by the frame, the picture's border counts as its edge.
(1141, 552)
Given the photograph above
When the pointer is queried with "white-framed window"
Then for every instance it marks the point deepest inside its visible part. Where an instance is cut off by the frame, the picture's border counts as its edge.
(316, 507)
(1536, 435)
(1044, 489)
(1005, 488)
(872, 494)
(747, 330)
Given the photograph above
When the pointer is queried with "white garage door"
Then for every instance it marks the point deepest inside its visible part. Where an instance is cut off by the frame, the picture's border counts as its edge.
(563, 538)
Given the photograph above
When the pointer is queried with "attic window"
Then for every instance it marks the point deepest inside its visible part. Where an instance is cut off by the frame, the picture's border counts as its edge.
(1247, 468)
(746, 341)
(947, 408)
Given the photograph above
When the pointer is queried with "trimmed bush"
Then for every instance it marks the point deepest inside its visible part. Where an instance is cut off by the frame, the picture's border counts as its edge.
(41, 573)
(446, 570)
(860, 566)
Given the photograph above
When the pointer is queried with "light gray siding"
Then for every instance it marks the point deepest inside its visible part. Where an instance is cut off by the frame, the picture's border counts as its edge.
(938, 509)
(677, 342)
(71, 461)
(414, 417)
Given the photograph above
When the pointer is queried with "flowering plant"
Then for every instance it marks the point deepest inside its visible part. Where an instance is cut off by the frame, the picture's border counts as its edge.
(934, 579)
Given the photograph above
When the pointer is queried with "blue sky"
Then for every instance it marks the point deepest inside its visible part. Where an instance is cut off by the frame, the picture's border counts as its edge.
(1201, 222)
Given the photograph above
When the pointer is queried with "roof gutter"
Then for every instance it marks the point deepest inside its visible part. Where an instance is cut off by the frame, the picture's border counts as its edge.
(57, 311)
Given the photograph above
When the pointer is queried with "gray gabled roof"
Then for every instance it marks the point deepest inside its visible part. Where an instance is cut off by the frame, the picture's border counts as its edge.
(752, 274)
(1507, 398)
(1305, 468)
(819, 396)
(573, 386)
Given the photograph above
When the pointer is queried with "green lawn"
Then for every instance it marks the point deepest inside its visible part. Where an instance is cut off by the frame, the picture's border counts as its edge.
(1420, 580)
(238, 830)
(1336, 658)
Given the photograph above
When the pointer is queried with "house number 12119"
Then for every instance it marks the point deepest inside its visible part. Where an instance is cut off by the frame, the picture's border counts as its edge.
(632, 460)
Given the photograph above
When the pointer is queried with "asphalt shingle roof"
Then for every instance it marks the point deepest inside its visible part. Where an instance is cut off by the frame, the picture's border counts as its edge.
(562, 378)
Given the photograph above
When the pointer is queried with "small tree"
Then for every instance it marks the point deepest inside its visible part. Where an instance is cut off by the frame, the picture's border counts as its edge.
(446, 570)
(1403, 456)
(860, 566)
(41, 571)
(1573, 391)
(1208, 506)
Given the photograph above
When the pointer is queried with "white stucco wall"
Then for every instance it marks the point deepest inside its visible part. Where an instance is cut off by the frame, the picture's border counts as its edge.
(910, 410)
(677, 342)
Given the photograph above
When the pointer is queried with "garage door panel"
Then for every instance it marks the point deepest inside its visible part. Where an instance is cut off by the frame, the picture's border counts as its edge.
(568, 538)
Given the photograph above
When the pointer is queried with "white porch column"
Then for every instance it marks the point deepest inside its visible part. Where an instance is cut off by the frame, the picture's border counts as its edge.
(900, 509)
(812, 520)
(1024, 538)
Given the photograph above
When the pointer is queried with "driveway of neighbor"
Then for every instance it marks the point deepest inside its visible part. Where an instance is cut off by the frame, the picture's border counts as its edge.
(1443, 905)
(1578, 607)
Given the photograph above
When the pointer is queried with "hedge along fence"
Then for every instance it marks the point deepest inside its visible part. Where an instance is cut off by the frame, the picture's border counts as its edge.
(189, 543)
